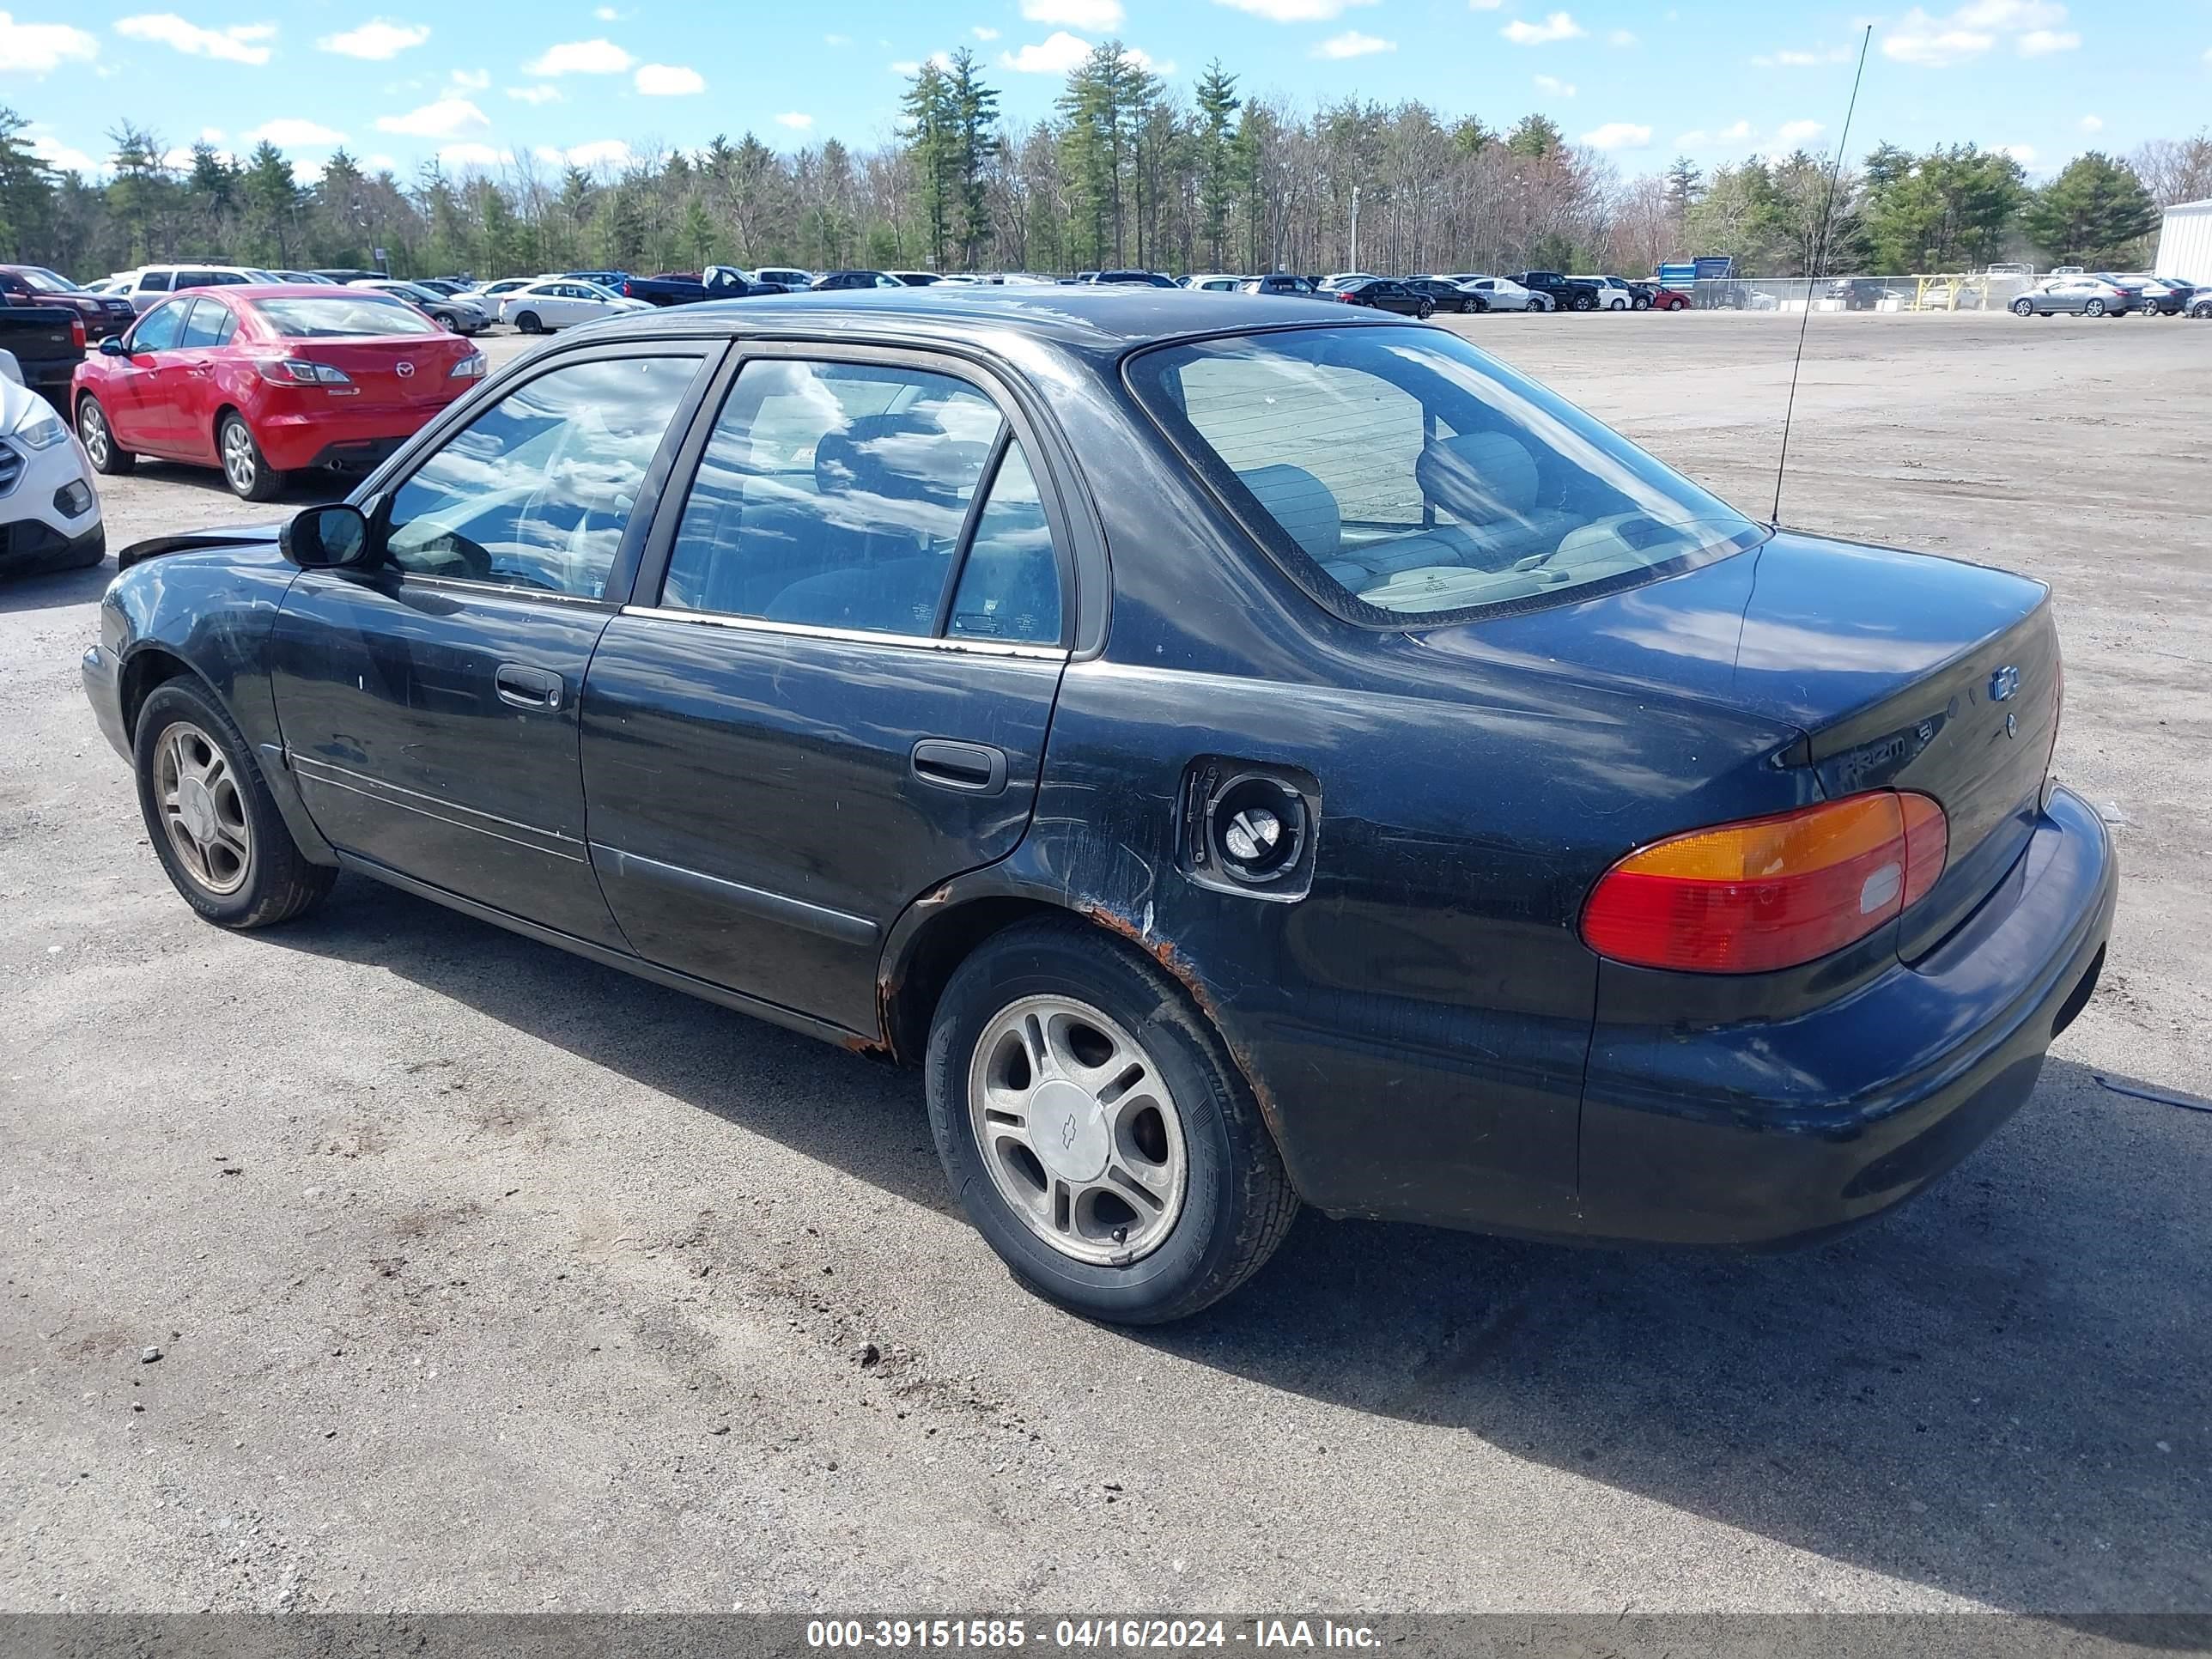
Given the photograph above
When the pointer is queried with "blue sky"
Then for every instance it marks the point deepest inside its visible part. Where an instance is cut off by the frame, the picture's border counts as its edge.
(483, 80)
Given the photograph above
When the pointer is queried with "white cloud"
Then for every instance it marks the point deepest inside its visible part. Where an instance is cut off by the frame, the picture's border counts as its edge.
(1698, 138)
(1556, 87)
(601, 152)
(1143, 60)
(912, 66)
(1352, 44)
(836, 39)
(41, 48)
(668, 80)
(292, 132)
(1295, 11)
(1974, 29)
(982, 33)
(1484, 5)
(1793, 58)
(1618, 135)
(1792, 134)
(1100, 15)
(1058, 53)
(609, 14)
(378, 163)
(238, 43)
(538, 94)
(2096, 123)
(64, 158)
(473, 155)
(582, 58)
(377, 39)
(471, 80)
(448, 117)
(1620, 38)
(1558, 26)
(212, 135)
(795, 120)
(2023, 153)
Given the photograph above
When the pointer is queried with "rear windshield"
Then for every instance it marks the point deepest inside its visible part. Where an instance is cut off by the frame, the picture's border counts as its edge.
(1399, 472)
(341, 315)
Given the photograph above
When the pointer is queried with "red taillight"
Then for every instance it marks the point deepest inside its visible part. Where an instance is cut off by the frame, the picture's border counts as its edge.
(76, 332)
(627, 294)
(1767, 893)
(1346, 298)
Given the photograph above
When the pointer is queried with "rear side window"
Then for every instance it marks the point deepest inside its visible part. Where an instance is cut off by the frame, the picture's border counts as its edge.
(208, 326)
(845, 494)
(154, 281)
(1400, 472)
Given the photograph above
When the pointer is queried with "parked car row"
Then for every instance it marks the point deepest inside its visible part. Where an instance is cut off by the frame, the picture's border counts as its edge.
(2107, 293)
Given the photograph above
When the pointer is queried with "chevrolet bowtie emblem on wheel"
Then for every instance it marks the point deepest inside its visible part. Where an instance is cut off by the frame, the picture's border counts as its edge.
(406, 372)
(2003, 683)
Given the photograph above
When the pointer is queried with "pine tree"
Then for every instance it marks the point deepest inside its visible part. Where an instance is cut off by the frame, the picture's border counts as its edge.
(973, 109)
(1217, 156)
(2095, 213)
(931, 136)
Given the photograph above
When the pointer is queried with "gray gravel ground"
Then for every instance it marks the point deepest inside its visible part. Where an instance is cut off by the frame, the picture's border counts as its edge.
(484, 1278)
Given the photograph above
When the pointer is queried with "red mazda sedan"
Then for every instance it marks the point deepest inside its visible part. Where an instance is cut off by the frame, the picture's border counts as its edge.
(265, 380)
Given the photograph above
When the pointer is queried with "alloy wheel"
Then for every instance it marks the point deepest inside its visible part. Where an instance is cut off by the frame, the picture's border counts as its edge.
(239, 463)
(1078, 1129)
(202, 810)
(92, 431)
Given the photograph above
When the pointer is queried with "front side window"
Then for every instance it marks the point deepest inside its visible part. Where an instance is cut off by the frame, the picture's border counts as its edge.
(536, 492)
(1400, 473)
(840, 495)
(158, 329)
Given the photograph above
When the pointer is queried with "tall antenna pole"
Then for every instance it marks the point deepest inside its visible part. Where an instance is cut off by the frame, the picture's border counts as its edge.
(1819, 260)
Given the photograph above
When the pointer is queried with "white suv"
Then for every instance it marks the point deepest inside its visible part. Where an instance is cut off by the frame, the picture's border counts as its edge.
(148, 285)
(1614, 294)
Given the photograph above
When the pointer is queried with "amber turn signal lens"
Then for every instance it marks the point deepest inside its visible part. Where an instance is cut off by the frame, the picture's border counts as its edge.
(1765, 893)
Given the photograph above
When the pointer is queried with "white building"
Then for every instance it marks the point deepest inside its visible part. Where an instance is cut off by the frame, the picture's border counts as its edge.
(2184, 242)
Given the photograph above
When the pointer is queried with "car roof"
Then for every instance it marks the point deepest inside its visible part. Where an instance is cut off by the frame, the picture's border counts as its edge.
(266, 290)
(1100, 323)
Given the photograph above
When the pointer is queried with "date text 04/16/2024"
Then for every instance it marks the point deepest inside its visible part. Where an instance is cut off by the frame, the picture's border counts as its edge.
(1091, 1634)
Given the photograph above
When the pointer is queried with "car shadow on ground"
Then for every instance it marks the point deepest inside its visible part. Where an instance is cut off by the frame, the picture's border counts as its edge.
(48, 590)
(2002, 1391)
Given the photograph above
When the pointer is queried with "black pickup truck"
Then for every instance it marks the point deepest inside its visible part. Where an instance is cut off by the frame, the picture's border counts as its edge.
(715, 282)
(48, 341)
(1563, 293)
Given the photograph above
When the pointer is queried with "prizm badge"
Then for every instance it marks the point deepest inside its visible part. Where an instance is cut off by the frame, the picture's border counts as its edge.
(2003, 683)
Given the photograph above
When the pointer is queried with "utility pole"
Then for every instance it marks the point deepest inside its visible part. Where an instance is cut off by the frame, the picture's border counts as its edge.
(1355, 227)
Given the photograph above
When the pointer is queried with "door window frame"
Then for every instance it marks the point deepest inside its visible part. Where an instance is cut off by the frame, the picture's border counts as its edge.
(1082, 624)
(375, 495)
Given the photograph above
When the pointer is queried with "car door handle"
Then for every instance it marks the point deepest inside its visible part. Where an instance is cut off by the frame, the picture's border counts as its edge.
(973, 768)
(525, 687)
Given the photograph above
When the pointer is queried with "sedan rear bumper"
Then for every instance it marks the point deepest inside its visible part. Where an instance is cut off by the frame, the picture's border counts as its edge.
(1778, 1132)
(335, 435)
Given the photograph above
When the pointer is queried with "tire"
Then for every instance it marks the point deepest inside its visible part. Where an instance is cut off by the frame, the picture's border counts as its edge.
(1584, 302)
(1677, 305)
(107, 457)
(1640, 304)
(2023, 307)
(2092, 308)
(528, 323)
(1426, 310)
(244, 468)
(269, 881)
(1228, 1202)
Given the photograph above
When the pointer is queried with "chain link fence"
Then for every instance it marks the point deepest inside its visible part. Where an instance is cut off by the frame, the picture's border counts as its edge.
(1935, 291)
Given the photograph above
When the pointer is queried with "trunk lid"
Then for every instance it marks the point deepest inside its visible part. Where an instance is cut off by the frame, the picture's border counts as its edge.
(1900, 670)
(402, 372)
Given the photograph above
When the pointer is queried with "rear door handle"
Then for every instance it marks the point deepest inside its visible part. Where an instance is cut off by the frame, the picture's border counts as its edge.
(523, 687)
(973, 768)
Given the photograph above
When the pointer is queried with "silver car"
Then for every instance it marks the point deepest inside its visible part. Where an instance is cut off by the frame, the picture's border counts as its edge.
(1502, 293)
(2078, 295)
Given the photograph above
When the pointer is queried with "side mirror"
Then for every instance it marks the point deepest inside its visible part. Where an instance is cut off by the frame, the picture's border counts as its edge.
(113, 346)
(332, 538)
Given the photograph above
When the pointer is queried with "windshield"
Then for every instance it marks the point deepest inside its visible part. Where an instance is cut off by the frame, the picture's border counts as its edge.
(1399, 472)
(343, 315)
(45, 281)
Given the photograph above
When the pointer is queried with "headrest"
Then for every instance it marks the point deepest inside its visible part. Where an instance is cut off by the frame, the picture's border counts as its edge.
(1302, 504)
(1479, 478)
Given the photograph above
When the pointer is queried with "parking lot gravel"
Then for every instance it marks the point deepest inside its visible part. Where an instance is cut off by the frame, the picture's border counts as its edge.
(389, 1261)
